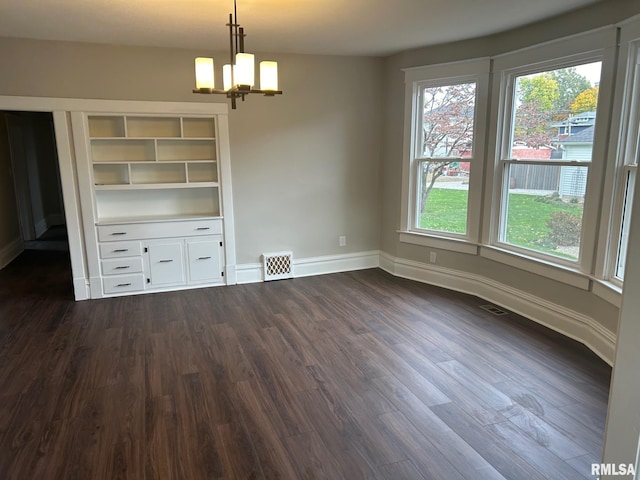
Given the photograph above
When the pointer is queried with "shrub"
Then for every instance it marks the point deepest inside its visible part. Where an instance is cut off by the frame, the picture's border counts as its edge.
(565, 228)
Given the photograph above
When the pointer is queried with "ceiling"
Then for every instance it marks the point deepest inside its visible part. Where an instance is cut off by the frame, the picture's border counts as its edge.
(334, 27)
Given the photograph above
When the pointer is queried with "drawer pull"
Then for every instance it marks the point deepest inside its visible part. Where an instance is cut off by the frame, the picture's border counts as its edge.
(122, 267)
(120, 250)
(166, 261)
(204, 258)
(115, 234)
(123, 285)
(203, 228)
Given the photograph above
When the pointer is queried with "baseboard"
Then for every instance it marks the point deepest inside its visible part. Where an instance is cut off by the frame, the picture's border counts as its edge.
(305, 267)
(577, 326)
(10, 252)
(81, 289)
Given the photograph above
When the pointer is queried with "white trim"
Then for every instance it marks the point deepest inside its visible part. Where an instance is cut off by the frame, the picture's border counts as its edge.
(10, 252)
(306, 267)
(476, 70)
(577, 326)
(46, 104)
(248, 273)
(71, 201)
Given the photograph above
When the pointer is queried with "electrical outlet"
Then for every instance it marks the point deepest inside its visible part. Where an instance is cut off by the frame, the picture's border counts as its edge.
(433, 257)
(342, 240)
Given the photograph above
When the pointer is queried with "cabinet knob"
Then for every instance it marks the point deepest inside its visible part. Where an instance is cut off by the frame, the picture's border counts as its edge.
(166, 261)
(120, 250)
(204, 258)
(123, 285)
(122, 267)
(203, 228)
(115, 234)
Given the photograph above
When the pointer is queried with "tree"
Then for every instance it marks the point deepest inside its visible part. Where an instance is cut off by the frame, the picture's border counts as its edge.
(586, 101)
(541, 89)
(533, 125)
(570, 85)
(447, 127)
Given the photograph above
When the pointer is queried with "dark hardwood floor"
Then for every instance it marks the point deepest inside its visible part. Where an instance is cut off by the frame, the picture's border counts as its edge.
(353, 375)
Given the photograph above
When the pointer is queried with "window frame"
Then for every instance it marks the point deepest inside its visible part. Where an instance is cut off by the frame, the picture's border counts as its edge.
(625, 153)
(594, 46)
(416, 80)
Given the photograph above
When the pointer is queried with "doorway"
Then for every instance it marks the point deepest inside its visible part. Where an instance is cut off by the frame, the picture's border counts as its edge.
(38, 217)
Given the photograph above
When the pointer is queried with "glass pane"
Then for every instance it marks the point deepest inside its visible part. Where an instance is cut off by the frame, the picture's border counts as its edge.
(624, 230)
(545, 208)
(555, 114)
(443, 194)
(447, 123)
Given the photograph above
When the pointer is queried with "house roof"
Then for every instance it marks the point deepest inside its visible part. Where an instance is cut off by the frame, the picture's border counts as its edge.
(583, 136)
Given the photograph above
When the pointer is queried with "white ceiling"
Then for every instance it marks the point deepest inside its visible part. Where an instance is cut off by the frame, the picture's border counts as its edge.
(337, 27)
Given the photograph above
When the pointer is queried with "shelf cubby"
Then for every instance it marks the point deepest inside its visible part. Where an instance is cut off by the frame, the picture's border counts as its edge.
(111, 174)
(198, 128)
(122, 150)
(202, 172)
(143, 173)
(172, 203)
(184, 150)
(153, 127)
(106, 127)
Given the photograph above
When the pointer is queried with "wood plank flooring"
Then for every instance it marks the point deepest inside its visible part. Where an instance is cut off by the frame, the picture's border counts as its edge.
(354, 375)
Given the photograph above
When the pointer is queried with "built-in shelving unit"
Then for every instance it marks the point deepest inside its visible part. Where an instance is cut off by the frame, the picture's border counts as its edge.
(142, 164)
(153, 187)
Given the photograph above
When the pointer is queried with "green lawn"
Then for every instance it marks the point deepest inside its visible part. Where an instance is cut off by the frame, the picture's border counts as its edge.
(526, 222)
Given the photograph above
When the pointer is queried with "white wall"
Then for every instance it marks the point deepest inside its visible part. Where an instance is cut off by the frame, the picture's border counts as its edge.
(305, 165)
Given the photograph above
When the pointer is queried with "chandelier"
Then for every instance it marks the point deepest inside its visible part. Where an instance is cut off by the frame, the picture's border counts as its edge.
(238, 75)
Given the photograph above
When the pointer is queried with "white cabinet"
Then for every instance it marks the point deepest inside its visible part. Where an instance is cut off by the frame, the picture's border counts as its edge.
(153, 188)
(166, 265)
(204, 257)
(162, 255)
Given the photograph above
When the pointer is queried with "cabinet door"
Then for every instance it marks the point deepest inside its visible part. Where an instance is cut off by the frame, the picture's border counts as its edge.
(205, 260)
(166, 266)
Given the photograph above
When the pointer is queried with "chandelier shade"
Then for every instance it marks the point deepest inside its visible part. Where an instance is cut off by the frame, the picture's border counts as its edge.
(238, 76)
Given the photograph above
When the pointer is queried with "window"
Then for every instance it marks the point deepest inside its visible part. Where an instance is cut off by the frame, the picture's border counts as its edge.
(628, 164)
(546, 158)
(444, 150)
(445, 128)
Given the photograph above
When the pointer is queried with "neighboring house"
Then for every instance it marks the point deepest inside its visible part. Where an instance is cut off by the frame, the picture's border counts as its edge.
(578, 146)
(575, 124)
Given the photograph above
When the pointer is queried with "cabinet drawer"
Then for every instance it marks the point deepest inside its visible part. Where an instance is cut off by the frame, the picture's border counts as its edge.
(119, 266)
(120, 249)
(123, 283)
(138, 231)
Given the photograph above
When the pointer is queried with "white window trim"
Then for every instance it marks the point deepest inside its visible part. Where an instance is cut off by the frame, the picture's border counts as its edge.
(627, 124)
(415, 78)
(599, 45)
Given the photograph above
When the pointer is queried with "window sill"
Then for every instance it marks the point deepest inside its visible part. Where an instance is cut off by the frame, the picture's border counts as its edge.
(606, 290)
(442, 243)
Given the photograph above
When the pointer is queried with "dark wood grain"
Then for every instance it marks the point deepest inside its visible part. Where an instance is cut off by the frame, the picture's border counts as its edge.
(349, 376)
